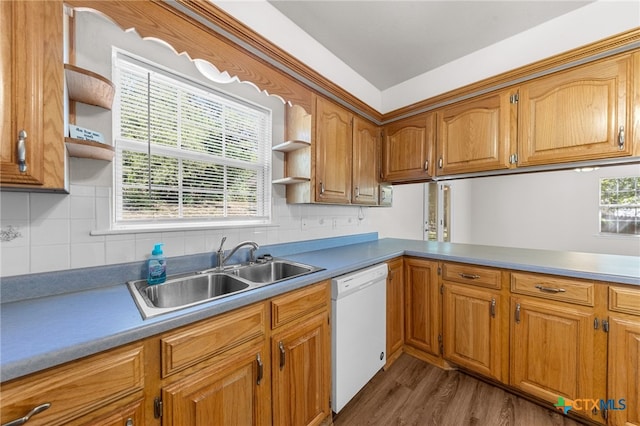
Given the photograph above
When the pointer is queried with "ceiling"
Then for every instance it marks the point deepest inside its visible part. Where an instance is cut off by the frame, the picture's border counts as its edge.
(388, 42)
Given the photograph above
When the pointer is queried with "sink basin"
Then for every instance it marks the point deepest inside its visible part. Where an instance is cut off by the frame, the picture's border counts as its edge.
(181, 291)
(271, 272)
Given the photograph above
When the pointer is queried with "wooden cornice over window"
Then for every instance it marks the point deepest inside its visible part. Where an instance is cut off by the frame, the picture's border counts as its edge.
(203, 31)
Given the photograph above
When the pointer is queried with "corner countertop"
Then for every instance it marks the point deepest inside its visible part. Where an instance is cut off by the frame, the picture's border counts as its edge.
(46, 331)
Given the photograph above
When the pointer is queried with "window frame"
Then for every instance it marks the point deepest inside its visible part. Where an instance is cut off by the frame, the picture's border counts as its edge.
(262, 166)
(602, 207)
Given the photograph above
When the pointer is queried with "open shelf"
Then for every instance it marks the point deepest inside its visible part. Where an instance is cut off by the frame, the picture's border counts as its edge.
(88, 87)
(88, 149)
(289, 146)
(290, 180)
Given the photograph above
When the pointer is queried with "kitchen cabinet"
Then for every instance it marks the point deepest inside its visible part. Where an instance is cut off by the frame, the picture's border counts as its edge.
(130, 415)
(301, 357)
(423, 308)
(395, 310)
(474, 321)
(32, 151)
(624, 356)
(578, 114)
(214, 371)
(82, 392)
(477, 134)
(556, 349)
(366, 140)
(408, 149)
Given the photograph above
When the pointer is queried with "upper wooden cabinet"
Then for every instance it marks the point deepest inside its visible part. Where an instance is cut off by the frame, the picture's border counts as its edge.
(579, 114)
(333, 152)
(476, 135)
(32, 151)
(366, 137)
(408, 149)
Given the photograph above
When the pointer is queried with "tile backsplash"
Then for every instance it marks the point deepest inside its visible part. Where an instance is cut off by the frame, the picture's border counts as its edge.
(43, 232)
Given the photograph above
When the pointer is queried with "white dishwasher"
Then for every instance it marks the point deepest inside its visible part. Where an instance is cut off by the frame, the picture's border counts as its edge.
(358, 331)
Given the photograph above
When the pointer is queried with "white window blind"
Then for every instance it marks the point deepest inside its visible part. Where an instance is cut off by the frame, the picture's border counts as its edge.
(186, 153)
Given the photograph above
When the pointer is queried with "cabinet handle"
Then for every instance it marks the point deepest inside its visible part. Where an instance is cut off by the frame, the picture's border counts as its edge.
(426, 166)
(129, 422)
(260, 369)
(492, 309)
(621, 137)
(357, 192)
(440, 163)
(22, 420)
(282, 355)
(550, 289)
(22, 151)
(469, 276)
(517, 313)
(321, 188)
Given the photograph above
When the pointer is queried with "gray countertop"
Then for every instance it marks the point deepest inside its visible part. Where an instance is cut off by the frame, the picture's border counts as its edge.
(46, 331)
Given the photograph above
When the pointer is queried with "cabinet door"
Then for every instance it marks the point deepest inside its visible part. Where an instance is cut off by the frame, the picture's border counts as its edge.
(32, 72)
(554, 351)
(395, 310)
(476, 135)
(472, 329)
(624, 370)
(408, 149)
(302, 373)
(423, 305)
(236, 393)
(576, 115)
(366, 138)
(333, 151)
(130, 415)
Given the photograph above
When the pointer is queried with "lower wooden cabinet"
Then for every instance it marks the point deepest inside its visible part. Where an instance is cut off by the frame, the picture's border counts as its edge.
(395, 310)
(422, 307)
(129, 415)
(473, 329)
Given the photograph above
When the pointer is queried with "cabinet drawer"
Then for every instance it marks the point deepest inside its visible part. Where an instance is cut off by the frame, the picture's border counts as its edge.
(195, 343)
(624, 300)
(555, 288)
(471, 274)
(77, 388)
(299, 303)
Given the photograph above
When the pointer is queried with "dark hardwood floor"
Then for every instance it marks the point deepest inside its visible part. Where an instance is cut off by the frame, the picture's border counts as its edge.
(413, 392)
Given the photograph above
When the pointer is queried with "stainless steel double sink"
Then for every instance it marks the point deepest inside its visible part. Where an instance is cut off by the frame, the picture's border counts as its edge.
(183, 290)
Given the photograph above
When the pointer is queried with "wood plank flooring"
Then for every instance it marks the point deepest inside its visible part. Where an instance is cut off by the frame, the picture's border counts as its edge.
(413, 392)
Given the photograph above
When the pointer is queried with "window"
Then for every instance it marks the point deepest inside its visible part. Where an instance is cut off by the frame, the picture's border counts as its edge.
(186, 153)
(620, 205)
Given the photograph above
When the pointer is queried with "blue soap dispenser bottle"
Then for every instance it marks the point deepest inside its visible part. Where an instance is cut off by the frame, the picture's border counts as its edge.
(157, 266)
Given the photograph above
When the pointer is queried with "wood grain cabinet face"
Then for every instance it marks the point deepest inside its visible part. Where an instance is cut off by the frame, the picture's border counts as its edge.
(476, 135)
(555, 351)
(366, 137)
(395, 310)
(577, 114)
(33, 79)
(422, 305)
(408, 149)
(333, 153)
(473, 329)
(624, 369)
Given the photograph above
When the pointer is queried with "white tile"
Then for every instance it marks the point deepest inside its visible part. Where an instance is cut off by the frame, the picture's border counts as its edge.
(103, 213)
(173, 243)
(144, 244)
(14, 261)
(16, 233)
(80, 232)
(120, 251)
(103, 191)
(82, 191)
(194, 242)
(50, 231)
(82, 207)
(87, 254)
(14, 205)
(50, 258)
(49, 206)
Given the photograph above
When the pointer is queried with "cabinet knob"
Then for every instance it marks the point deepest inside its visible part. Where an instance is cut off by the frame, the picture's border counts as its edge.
(621, 137)
(22, 420)
(282, 355)
(22, 151)
(440, 162)
(517, 313)
(260, 369)
(357, 191)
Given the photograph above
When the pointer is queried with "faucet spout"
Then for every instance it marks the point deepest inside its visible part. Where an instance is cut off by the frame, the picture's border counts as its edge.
(222, 259)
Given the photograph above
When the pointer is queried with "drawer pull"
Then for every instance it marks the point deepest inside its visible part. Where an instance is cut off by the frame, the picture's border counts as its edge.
(22, 153)
(260, 369)
(22, 420)
(550, 289)
(492, 309)
(282, 355)
(517, 313)
(469, 276)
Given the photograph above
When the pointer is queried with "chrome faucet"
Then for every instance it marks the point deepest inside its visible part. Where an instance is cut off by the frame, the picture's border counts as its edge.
(222, 259)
